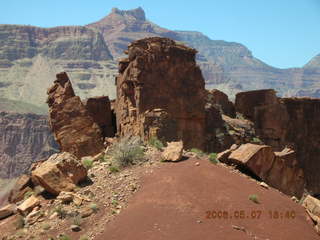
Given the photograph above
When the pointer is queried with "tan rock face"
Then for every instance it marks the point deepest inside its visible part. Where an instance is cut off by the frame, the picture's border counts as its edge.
(312, 206)
(61, 172)
(100, 110)
(29, 204)
(73, 128)
(160, 74)
(173, 152)
(287, 121)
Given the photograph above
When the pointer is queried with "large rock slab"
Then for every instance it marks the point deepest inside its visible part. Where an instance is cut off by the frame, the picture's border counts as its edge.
(29, 204)
(22, 186)
(258, 158)
(73, 127)
(61, 172)
(221, 100)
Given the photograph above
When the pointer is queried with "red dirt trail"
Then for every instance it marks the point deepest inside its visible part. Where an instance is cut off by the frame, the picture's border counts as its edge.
(173, 201)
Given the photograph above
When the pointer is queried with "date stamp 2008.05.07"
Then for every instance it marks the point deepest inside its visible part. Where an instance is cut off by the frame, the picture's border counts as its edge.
(251, 214)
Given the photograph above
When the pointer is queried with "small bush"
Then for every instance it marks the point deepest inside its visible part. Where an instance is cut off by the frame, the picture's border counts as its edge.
(77, 220)
(254, 198)
(256, 140)
(46, 226)
(213, 158)
(197, 151)
(28, 194)
(155, 142)
(83, 238)
(62, 213)
(113, 169)
(94, 207)
(64, 237)
(87, 163)
(127, 151)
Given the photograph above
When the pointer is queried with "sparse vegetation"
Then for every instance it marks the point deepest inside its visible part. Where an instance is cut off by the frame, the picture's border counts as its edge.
(113, 169)
(197, 151)
(94, 207)
(28, 194)
(87, 163)
(64, 237)
(155, 142)
(62, 213)
(213, 158)
(126, 152)
(254, 198)
(83, 238)
(77, 220)
(46, 226)
(256, 140)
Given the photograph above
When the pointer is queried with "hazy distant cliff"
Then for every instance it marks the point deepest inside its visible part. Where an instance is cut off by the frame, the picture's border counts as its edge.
(24, 138)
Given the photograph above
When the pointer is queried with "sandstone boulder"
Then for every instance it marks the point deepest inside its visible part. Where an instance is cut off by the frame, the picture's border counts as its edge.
(7, 211)
(28, 204)
(173, 152)
(257, 158)
(73, 127)
(61, 172)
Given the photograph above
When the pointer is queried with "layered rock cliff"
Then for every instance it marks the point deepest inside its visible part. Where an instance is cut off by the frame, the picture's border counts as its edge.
(24, 138)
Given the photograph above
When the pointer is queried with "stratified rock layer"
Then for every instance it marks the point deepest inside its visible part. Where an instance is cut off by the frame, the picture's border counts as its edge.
(24, 139)
(73, 127)
(161, 74)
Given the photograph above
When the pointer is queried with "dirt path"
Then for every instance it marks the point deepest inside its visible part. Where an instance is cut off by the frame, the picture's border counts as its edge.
(174, 201)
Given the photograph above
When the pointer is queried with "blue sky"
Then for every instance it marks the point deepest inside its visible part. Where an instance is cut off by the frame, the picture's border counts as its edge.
(282, 33)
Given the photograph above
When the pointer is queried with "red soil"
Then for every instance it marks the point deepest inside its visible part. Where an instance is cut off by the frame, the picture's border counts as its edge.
(174, 199)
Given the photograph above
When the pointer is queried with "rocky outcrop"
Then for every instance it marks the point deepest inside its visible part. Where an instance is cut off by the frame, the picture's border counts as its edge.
(221, 101)
(279, 170)
(61, 172)
(287, 121)
(100, 110)
(24, 139)
(161, 74)
(73, 127)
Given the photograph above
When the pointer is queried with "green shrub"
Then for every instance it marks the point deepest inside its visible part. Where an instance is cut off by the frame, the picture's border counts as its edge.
(197, 151)
(213, 158)
(155, 142)
(113, 169)
(256, 140)
(46, 226)
(77, 220)
(87, 163)
(64, 237)
(94, 207)
(126, 152)
(28, 194)
(62, 213)
(254, 198)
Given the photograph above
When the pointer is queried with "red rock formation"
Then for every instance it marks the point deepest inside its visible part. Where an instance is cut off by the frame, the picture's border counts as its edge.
(287, 121)
(73, 128)
(221, 101)
(100, 110)
(246, 102)
(160, 73)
